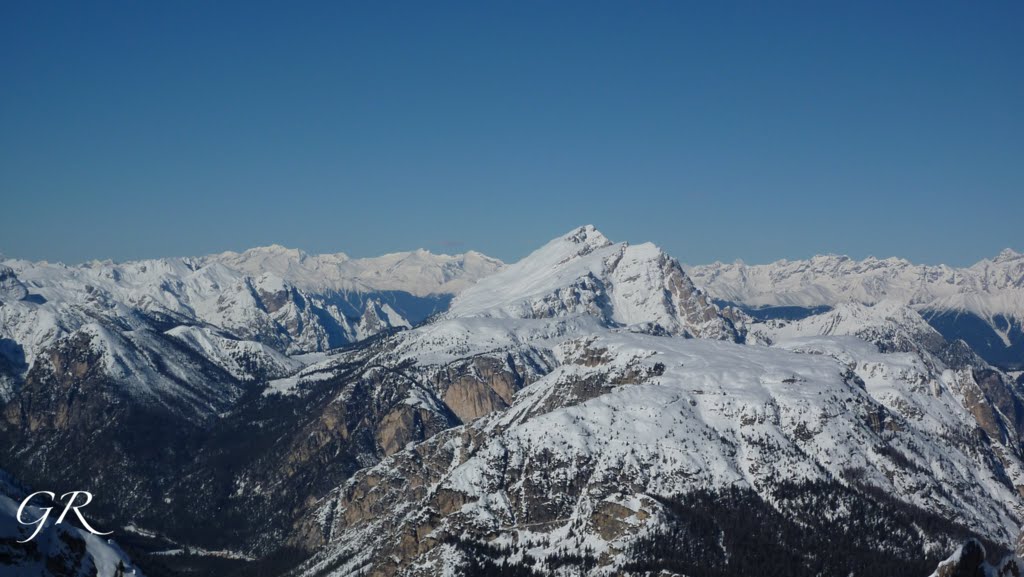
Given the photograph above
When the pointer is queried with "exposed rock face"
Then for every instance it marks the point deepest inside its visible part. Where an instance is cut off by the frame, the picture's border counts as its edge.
(345, 414)
(400, 427)
(579, 456)
(75, 423)
(12, 367)
(479, 386)
(11, 289)
(999, 395)
(970, 560)
(350, 417)
(91, 370)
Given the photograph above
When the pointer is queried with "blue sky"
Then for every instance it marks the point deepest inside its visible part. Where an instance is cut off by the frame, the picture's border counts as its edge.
(753, 130)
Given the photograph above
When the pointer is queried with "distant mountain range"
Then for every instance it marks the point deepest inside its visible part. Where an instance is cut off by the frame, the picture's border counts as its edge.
(596, 408)
(242, 312)
(982, 304)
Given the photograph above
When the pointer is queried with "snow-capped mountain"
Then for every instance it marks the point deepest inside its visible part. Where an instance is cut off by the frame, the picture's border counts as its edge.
(283, 299)
(829, 279)
(636, 287)
(599, 455)
(419, 273)
(585, 411)
(114, 375)
(231, 290)
(987, 393)
(983, 303)
(584, 457)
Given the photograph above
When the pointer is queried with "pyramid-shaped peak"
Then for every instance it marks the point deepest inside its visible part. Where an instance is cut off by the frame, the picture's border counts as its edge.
(1008, 254)
(583, 273)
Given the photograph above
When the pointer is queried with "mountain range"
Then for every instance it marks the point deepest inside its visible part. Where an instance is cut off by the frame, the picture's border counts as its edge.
(596, 408)
(982, 304)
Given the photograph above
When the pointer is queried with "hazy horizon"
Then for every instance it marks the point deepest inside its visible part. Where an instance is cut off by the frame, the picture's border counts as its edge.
(463, 250)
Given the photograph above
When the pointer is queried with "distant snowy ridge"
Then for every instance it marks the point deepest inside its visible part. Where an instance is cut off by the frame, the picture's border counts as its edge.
(987, 288)
(270, 301)
(417, 272)
(982, 304)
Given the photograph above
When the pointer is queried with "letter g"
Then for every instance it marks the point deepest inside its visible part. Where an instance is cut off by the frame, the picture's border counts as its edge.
(39, 522)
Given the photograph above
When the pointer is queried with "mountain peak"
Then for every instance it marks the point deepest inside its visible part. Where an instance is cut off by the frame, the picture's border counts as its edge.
(1007, 255)
(588, 235)
(584, 273)
(276, 249)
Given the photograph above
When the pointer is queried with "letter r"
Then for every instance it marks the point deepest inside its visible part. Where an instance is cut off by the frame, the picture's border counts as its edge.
(71, 506)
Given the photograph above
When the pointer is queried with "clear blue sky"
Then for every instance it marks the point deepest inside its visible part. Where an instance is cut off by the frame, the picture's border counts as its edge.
(719, 130)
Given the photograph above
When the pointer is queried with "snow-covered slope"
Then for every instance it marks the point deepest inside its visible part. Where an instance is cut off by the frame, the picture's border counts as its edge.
(986, 288)
(857, 421)
(277, 298)
(583, 273)
(244, 360)
(115, 374)
(982, 304)
(306, 302)
(584, 457)
(889, 325)
(585, 411)
(420, 272)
